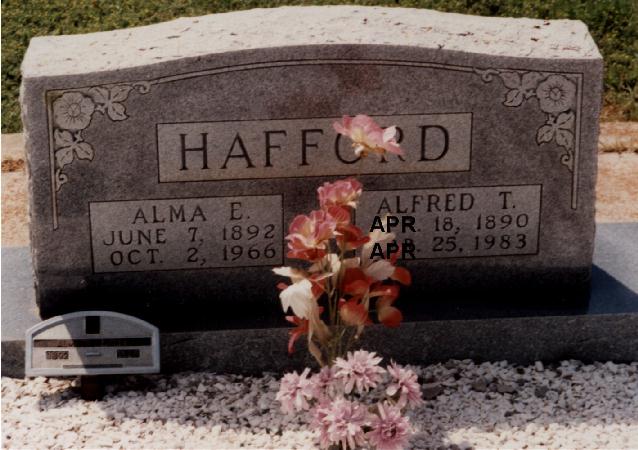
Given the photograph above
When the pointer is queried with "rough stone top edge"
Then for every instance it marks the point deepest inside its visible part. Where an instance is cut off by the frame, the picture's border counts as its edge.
(306, 25)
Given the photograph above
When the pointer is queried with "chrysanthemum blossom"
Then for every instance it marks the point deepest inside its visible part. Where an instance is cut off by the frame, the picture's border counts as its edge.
(323, 384)
(390, 429)
(360, 371)
(404, 383)
(341, 422)
(308, 235)
(295, 392)
(343, 193)
(367, 136)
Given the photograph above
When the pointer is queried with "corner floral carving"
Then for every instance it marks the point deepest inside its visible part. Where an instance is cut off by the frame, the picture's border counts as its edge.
(73, 111)
(556, 95)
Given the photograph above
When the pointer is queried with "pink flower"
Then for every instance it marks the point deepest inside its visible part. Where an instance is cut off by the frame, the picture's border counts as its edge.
(338, 214)
(390, 430)
(360, 370)
(341, 422)
(340, 193)
(323, 384)
(405, 383)
(320, 421)
(367, 136)
(308, 235)
(294, 392)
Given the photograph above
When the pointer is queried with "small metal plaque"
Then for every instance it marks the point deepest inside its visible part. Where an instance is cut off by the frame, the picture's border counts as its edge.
(92, 343)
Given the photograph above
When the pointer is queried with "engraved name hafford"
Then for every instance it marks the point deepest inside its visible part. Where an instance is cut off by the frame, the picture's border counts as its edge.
(228, 150)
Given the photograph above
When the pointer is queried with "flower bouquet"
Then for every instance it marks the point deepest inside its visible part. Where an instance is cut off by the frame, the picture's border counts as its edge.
(355, 402)
(344, 284)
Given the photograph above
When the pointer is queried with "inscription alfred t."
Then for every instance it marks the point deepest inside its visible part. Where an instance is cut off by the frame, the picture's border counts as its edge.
(462, 222)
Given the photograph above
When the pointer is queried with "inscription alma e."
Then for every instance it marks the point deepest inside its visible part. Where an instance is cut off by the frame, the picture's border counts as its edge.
(173, 214)
(186, 233)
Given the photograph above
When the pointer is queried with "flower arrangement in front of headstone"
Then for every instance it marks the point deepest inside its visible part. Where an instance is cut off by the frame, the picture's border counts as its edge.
(348, 278)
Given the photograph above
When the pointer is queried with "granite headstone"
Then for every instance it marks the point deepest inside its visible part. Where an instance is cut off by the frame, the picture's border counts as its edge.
(166, 161)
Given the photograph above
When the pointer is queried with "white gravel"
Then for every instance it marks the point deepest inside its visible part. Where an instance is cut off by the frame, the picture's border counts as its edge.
(491, 405)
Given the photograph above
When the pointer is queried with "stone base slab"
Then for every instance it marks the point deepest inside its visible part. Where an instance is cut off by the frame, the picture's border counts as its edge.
(604, 328)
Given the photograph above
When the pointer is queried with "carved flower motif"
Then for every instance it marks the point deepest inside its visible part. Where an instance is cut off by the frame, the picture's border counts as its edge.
(73, 111)
(109, 100)
(521, 87)
(556, 94)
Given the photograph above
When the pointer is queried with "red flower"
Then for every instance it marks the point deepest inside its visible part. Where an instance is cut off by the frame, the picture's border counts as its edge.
(353, 312)
(350, 237)
(302, 327)
(402, 275)
(387, 314)
(356, 283)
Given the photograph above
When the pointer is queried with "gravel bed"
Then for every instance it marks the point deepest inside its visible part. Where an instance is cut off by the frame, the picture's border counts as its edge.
(490, 405)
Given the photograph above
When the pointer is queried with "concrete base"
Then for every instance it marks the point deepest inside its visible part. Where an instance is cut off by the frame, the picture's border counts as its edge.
(603, 328)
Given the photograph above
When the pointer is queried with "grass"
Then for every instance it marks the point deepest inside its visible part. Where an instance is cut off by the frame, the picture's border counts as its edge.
(613, 24)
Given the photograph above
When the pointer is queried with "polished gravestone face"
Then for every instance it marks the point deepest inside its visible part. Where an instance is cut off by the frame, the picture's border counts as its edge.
(166, 162)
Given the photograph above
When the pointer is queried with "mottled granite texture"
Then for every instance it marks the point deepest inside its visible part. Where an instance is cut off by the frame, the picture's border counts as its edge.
(296, 26)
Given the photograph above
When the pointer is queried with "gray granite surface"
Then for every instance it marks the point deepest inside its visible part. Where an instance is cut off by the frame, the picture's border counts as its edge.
(291, 26)
(603, 328)
(147, 147)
